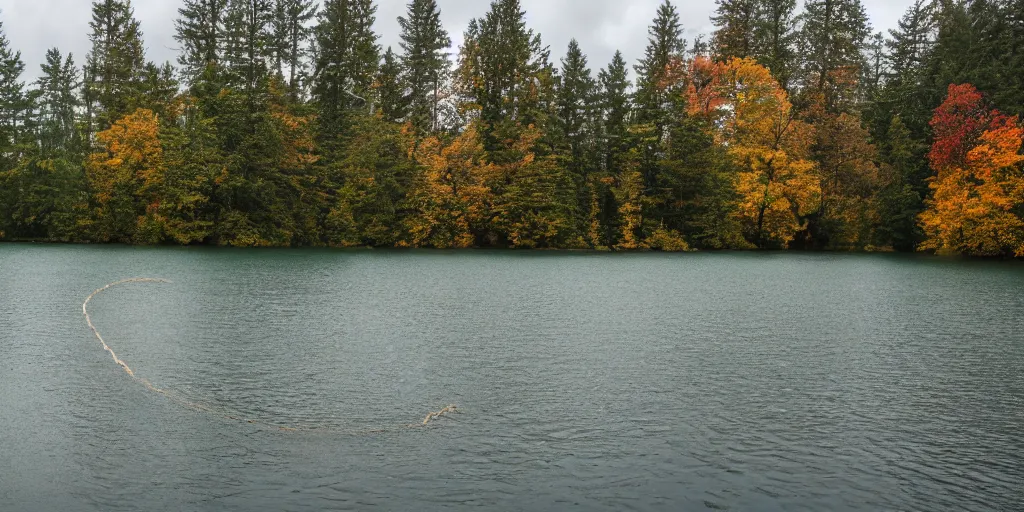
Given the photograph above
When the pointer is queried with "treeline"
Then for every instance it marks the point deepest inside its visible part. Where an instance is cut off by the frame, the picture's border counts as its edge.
(284, 123)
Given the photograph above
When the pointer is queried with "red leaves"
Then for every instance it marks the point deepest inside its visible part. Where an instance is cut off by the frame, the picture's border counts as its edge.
(957, 125)
(979, 186)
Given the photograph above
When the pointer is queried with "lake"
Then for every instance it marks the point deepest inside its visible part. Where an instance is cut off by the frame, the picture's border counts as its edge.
(761, 381)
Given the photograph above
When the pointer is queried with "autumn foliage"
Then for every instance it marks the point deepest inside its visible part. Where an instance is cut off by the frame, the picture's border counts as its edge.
(126, 176)
(769, 146)
(978, 189)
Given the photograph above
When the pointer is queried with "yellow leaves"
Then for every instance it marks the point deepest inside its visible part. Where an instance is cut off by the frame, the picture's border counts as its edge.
(451, 194)
(973, 209)
(132, 156)
(667, 240)
(298, 144)
(753, 118)
(629, 195)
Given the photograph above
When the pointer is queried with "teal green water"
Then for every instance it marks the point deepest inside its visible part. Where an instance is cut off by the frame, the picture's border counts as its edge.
(586, 381)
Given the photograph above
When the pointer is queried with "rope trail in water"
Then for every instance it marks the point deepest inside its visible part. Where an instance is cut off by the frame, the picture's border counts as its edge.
(205, 408)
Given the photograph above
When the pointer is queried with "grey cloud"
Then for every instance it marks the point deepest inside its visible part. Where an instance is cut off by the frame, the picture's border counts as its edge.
(601, 26)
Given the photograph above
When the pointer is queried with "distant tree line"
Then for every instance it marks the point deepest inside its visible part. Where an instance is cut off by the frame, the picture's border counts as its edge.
(285, 123)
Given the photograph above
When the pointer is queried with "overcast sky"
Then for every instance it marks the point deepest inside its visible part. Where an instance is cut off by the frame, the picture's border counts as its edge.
(601, 26)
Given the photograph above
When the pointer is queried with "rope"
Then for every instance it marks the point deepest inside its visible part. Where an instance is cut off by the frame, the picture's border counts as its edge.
(234, 416)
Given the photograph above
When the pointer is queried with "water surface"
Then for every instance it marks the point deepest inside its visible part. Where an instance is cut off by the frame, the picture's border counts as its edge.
(587, 382)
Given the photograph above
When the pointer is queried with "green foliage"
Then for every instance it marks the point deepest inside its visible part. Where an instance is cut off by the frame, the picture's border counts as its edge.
(199, 30)
(424, 63)
(291, 34)
(345, 67)
(776, 38)
(665, 45)
(832, 41)
(736, 21)
(372, 181)
(115, 65)
(290, 127)
(394, 104)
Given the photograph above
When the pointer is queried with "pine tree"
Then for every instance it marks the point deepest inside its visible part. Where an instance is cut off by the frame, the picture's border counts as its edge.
(292, 32)
(736, 34)
(653, 98)
(575, 131)
(346, 63)
(159, 91)
(504, 73)
(876, 67)
(575, 121)
(15, 104)
(248, 45)
(832, 40)
(116, 62)
(58, 103)
(615, 106)
(393, 100)
(425, 64)
(775, 37)
(899, 202)
(199, 29)
(665, 45)
(910, 42)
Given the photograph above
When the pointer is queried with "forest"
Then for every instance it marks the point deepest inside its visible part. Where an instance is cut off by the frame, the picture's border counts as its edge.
(285, 123)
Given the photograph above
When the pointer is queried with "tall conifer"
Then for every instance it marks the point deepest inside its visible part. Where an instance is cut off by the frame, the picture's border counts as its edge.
(291, 33)
(832, 41)
(198, 30)
(116, 62)
(424, 61)
(346, 63)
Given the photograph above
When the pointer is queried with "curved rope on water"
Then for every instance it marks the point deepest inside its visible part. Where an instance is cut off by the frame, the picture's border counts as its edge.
(201, 407)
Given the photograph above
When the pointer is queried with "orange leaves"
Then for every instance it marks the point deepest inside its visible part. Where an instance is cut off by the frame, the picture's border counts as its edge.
(298, 145)
(753, 118)
(132, 155)
(978, 189)
(451, 196)
(998, 148)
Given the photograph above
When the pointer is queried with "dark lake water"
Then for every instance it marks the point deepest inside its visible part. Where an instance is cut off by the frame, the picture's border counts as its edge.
(586, 382)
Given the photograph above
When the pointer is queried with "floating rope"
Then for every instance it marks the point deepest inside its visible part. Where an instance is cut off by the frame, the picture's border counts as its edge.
(208, 409)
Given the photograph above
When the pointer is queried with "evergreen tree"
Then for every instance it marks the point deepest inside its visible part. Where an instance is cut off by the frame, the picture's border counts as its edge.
(159, 91)
(615, 106)
(832, 41)
(613, 102)
(292, 32)
(654, 96)
(737, 21)
(248, 45)
(393, 100)
(504, 74)
(116, 62)
(199, 29)
(775, 36)
(346, 63)
(902, 93)
(12, 103)
(424, 62)
(910, 42)
(575, 120)
(665, 45)
(876, 67)
(575, 130)
(899, 201)
(15, 104)
(58, 103)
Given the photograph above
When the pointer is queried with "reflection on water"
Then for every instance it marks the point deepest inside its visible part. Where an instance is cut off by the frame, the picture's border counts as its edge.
(610, 382)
